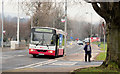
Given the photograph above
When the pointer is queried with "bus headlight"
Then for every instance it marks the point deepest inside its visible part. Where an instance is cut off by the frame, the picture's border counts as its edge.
(31, 49)
(51, 51)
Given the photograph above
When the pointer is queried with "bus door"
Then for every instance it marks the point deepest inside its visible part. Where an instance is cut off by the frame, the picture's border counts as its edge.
(60, 49)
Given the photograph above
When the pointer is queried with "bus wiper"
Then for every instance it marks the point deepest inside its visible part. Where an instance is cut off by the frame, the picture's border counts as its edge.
(46, 44)
(39, 42)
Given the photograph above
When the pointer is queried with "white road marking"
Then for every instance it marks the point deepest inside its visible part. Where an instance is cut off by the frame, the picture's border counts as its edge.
(64, 63)
(45, 63)
(37, 64)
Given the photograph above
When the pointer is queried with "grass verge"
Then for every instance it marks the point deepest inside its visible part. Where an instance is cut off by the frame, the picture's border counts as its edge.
(101, 45)
(96, 69)
(102, 55)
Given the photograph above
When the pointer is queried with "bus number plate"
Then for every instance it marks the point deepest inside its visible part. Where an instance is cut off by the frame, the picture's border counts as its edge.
(41, 54)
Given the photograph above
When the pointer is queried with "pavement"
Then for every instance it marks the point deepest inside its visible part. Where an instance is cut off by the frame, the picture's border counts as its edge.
(7, 49)
(21, 61)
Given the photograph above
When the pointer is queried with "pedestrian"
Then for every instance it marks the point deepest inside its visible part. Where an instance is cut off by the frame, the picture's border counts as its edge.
(87, 49)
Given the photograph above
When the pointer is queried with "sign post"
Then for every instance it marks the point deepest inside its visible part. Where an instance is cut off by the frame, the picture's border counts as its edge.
(104, 33)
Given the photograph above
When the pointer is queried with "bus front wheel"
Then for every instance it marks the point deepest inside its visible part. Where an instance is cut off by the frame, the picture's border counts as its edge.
(34, 55)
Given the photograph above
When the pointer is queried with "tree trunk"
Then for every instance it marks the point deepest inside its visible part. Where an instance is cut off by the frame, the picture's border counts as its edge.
(113, 45)
(110, 11)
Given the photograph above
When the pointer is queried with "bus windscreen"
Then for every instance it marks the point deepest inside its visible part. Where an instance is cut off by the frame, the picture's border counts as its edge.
(44, 38)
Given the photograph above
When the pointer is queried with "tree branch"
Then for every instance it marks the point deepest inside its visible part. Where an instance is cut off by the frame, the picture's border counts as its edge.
(100, 11)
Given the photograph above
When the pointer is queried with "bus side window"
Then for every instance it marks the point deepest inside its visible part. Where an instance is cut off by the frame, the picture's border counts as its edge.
(63, 40)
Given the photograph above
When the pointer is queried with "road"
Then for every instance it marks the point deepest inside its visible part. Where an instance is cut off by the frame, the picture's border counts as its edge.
(20, 60)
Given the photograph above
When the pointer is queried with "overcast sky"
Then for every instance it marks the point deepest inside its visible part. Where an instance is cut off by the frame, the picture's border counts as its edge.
(84, 12)
(78, 11)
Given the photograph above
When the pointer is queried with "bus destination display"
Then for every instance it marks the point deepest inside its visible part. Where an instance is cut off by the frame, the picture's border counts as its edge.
(44, 30)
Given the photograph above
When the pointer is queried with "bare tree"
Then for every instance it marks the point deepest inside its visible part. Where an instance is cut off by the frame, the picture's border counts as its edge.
(10, 28)
(25, 30)
(45, 13)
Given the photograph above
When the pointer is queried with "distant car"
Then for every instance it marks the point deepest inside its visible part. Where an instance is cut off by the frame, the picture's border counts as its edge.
(80, 42)
(86, 40)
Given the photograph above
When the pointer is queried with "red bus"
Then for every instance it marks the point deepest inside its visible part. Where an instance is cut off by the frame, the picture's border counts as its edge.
(47, 41)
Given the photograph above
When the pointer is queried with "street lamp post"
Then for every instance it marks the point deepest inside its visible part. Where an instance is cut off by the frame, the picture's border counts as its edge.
(31, 25)
(91, 24)
(18, 23)
(65, 28)
(2, 22)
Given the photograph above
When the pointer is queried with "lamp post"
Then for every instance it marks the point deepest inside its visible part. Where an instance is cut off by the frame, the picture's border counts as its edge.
(31, 24)
(91, 24)
(2, 22)
(18, 24)
(65, 24)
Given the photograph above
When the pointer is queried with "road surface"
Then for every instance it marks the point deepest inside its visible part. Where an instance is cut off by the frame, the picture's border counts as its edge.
(21, 61)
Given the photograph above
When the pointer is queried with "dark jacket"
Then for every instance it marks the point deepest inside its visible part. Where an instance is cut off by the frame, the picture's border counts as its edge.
(85, 48)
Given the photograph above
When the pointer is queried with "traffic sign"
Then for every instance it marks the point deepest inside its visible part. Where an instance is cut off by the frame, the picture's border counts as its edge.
(63, 20)
(71, 37)
(4, 32)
